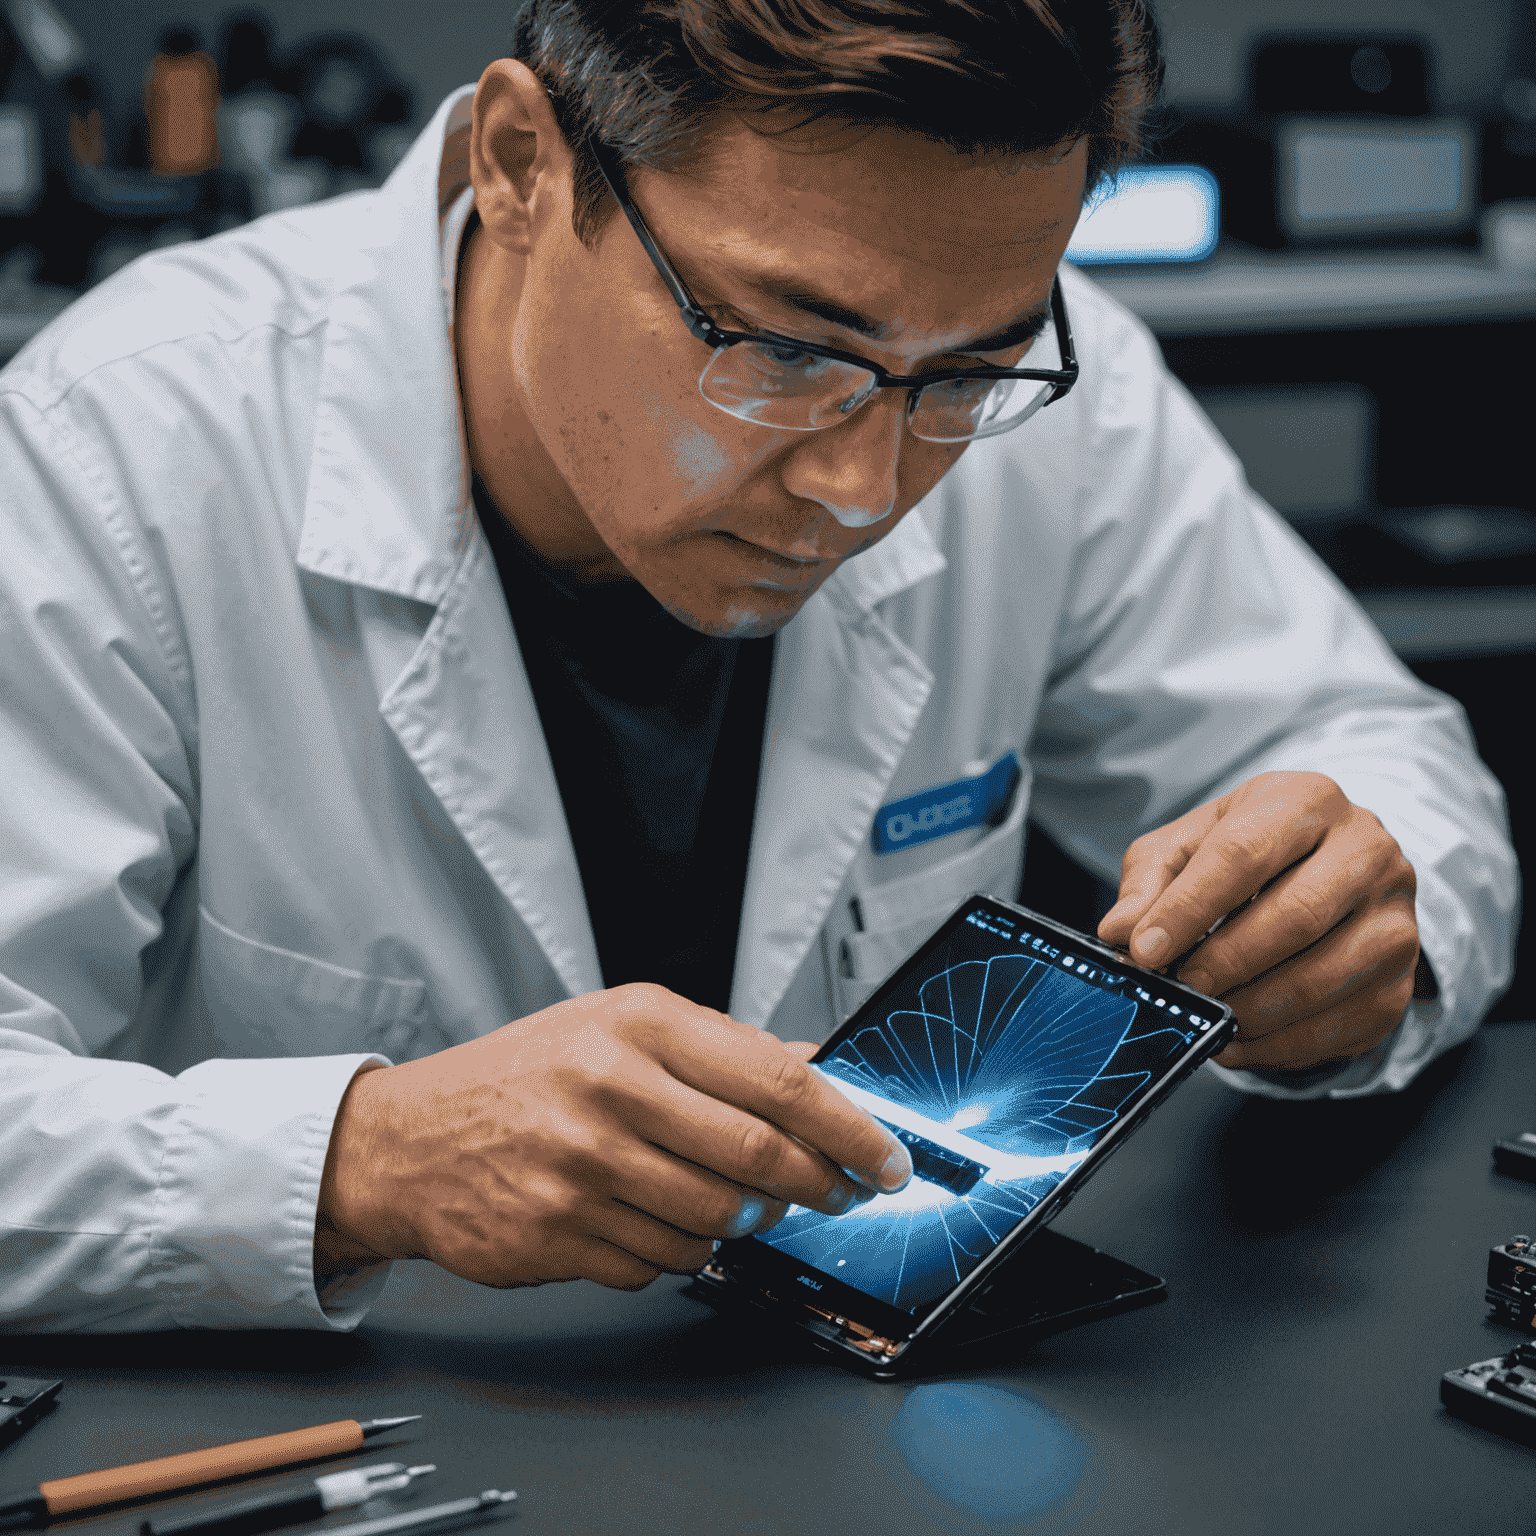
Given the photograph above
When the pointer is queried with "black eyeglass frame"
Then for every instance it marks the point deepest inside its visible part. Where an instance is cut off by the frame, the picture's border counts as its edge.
(714, 337)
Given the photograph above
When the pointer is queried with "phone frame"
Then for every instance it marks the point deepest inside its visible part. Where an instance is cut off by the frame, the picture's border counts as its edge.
(871, 1334)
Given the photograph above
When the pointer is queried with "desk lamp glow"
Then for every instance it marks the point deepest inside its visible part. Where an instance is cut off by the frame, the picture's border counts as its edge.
(1151, 213)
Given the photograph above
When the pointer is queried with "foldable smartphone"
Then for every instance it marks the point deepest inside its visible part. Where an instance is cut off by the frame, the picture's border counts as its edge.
(1011, 1056)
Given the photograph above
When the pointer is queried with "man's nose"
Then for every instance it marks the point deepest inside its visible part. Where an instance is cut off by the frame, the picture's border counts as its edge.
(851, 469)
(861, 517)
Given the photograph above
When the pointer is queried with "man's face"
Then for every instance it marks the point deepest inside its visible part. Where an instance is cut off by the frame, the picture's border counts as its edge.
(732, 526)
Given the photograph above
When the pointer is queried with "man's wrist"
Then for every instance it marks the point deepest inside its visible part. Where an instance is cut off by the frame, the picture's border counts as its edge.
(337, 1245)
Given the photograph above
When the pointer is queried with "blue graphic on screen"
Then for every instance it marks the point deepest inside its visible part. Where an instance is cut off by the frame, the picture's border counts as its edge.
(999, 1068)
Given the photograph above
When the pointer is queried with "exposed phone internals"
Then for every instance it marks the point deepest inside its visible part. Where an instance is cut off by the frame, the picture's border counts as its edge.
(1011, 1055)
(1497, 1394)
(1060, 1284)
(1511, 1289)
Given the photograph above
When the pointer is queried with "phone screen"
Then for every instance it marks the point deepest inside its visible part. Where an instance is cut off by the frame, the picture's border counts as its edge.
(1001, 1058)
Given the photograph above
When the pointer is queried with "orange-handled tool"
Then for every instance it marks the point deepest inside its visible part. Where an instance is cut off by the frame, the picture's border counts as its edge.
(171, 1474)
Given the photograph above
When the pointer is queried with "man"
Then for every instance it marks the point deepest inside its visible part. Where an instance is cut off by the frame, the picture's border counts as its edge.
(603, 557)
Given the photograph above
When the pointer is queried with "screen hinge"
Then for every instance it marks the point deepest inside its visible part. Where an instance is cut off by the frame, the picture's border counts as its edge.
(831, 1324)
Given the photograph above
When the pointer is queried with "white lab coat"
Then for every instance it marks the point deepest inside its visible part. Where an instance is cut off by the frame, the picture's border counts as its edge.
(274, 797)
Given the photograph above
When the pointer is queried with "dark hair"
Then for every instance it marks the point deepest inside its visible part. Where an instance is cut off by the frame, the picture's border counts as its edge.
(982, 76)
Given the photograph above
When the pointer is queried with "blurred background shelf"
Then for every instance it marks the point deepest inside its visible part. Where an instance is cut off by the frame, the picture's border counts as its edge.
(19, 326)
(25, 307)
(1242, 291)
(1247, 292)
(1446, 624)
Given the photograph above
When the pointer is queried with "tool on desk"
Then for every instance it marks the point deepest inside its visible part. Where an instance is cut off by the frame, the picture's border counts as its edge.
(455, 1510)
(172, 1474)
(23, 1402)
(288, 1506)
(1516, 1154)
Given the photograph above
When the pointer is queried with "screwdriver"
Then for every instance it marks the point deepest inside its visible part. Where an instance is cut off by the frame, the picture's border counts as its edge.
(336, 1490)
(490, 1499)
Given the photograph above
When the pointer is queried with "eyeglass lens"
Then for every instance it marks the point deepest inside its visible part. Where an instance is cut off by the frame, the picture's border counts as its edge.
(780, 386)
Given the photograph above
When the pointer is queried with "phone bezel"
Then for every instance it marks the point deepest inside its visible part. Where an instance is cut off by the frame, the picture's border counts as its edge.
(763, 1270)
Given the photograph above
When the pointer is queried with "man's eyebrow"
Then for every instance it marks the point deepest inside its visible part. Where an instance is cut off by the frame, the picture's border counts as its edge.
(792, 293)
(1026, 328)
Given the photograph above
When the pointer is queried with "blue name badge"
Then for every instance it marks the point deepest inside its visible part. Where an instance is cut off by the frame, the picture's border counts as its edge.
(946, 808)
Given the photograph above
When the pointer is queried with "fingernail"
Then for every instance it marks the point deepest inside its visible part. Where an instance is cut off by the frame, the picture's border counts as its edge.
(896, 1170)
(1151, 944)
(747, 1217)
(1200, 981)
(843, 1198)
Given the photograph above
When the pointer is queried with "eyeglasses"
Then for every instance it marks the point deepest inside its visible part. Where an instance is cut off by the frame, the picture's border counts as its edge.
(777, 381)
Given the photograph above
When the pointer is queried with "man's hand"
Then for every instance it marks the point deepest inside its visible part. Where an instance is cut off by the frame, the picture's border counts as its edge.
(1318, 951)
(610, 1138)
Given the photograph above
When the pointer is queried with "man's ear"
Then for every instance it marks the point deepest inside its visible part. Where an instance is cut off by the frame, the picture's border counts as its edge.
(519, 161)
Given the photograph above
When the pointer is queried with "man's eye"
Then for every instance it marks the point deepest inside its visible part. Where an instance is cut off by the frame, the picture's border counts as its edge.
(783, 354)
(786, 356)
(966, 390)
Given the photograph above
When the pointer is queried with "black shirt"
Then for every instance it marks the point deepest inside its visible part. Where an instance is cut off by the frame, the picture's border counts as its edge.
(655, 732)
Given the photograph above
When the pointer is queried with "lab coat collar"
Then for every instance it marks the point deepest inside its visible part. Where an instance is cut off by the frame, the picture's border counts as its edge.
(904, 557)
(387, 504)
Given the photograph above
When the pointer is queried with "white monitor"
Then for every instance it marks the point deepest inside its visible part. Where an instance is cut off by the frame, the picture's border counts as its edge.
(1344, 177)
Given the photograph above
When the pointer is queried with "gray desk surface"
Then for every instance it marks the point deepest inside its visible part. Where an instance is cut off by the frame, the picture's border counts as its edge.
(1326, 1264)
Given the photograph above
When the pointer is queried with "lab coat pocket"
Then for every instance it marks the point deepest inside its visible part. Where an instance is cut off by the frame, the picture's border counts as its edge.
(265, 1001)
(900, 914)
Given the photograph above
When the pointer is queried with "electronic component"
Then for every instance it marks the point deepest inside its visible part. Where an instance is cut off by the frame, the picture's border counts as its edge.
(23, 1402)
(1497, 1394)
(939, 1165)
(1516, 1154)
(1370, 75)
(1511, 1292)
(1335, 145)
(1011, 1056)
